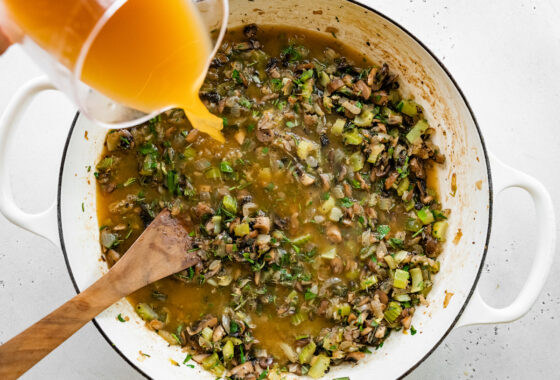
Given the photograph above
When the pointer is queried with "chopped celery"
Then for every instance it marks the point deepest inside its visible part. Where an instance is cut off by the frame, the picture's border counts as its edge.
(352, 137)
(409, 205)
(301, 240)
(357, 161)
(327, 205)
(365, 119)
(189, 153)
(402, 297)
(413, 225)
(368, 282)
(408, 107)
(242, 229)
(304, 147)
(417, 131)
(391, 116)
(324, 78)
(338, 127)
(319, 367)
(146, 312)
(417, 280)
(403, 186)
(400, 280)
(400, 256)
(207, 333)
(307, 353)
(439, 230)
(390, 261)
(227, 351)
(307, 89)
(213, 173)
(375, 152)
(330, 254)
(213, 364)
(297, 318)
(393, 311)
(229, 203)
(435, 268)
(425, 215)
(344, 309)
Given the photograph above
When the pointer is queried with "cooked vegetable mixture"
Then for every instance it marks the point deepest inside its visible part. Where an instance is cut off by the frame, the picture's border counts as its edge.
(317, 222)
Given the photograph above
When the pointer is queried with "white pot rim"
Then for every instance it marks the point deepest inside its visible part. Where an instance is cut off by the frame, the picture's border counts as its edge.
(490, 202)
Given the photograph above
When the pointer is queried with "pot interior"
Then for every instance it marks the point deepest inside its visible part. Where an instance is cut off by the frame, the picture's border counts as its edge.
(422, 78)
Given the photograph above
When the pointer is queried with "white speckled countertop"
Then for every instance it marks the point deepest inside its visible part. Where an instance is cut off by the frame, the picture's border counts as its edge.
(505, 55)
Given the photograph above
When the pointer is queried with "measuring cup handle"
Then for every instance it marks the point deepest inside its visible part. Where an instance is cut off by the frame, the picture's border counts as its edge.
(42, 223)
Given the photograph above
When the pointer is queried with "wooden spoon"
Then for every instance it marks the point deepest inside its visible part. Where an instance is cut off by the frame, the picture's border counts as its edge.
(159, 252)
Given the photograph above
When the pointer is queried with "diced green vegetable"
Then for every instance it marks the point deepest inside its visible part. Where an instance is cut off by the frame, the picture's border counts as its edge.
(146, 312)
(324, 79)
(213, 173)
(327, 205)
(357, 161)
(330, 254)
(338, 127)
(225, 167)
(425, 215)
(390, 261)
(376, 150)
(439, 230)
(403, 186)
(401, 279)
(408, 107)
(393, 311)
(242, 229)
(148, 166)
(307, 89)
(105, 163)
(229, 203)
(301, 240)
(417, 131)
(304, 147)
(417, 280)
(206, 333)
(212, 363)
(400, 256)
(368, 282)
(352, 137)
(413, 225)
(402, 297)
(228, 351)
(297, 318)
(344, 309)
(307, 352)
(189, 153)
(364, 119)
(319, 367)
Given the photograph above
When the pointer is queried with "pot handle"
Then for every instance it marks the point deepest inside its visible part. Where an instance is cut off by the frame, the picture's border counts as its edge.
(42, 223)
(477, 310)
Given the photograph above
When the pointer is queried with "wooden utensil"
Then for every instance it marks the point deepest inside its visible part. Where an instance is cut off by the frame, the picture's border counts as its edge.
(159, 252)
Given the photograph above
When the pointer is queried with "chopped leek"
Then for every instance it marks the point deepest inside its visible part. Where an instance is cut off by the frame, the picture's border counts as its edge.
(408, 107)
(368, 282)
(146, 312)
(357, 161)
(229, 203)
(227, 351)
(338, 127)
(375, 152)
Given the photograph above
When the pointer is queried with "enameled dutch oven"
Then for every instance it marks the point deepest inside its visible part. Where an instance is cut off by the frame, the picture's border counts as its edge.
(479, 177)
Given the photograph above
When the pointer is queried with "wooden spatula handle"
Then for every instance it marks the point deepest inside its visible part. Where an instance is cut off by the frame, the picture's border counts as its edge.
(26, 349)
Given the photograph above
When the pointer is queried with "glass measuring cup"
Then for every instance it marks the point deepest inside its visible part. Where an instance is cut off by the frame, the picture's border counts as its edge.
(59, 35)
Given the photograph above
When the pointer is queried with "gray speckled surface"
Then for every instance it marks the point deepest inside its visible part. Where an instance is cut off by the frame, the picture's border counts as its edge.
(505, 55)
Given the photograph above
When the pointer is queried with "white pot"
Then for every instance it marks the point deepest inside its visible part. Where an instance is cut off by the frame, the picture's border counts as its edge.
(423, 77)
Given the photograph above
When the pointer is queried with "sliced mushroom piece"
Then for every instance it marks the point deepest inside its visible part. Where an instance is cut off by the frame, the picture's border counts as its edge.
(242, 370)
(262, 224)
(207, 321)
(333, 234)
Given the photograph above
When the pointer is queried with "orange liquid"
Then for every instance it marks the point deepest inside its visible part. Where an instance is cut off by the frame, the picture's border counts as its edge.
(149, 55)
